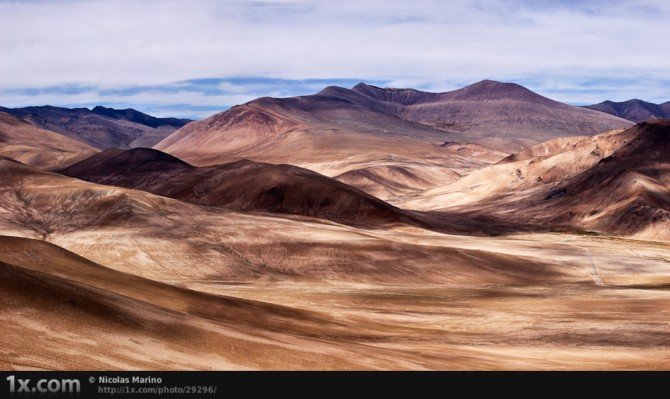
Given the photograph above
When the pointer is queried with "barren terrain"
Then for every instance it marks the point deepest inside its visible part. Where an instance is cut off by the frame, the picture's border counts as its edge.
(482, 229)
(344, 297)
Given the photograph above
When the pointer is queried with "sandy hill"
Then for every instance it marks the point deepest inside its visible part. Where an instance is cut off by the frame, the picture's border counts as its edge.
(242, 185)
(615, 183)
(627, 192)
(102, 127)
(634, 110)
(394, 181)
(538, 165)
(41, 148)
(149, 282)
(246, 291)
(170, 240)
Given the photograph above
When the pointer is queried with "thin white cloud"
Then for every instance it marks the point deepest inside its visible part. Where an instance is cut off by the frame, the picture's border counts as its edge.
(429, 44)
(192, 98)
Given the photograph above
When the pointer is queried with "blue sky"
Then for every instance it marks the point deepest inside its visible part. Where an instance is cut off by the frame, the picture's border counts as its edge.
(196, 58)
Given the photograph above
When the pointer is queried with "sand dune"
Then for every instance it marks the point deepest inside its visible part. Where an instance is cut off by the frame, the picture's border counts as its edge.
(546, 323)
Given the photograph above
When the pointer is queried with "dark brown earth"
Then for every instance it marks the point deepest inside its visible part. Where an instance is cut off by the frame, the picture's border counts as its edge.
(243, 185)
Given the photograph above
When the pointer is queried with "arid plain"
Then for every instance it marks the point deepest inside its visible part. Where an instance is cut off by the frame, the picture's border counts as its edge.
(363, 228)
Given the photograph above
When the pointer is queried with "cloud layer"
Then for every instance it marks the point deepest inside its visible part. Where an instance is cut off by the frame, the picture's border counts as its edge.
(187, 57)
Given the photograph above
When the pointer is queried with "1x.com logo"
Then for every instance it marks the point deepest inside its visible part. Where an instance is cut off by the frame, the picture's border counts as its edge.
(17, 385)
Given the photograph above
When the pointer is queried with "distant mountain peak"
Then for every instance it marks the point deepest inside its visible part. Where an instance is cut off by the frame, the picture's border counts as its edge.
(497, 85)
(330, 90)
(490, 82)
(402, 96)
(493, 90)
(364, 86)
(486, 89)
(100, 109)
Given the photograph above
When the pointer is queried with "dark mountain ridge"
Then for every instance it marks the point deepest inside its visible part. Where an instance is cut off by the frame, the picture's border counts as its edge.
(136, 116)
(634, 110)
(101, 127)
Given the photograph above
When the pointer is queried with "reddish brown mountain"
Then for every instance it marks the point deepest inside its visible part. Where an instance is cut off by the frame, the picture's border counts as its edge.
(331, 125)
(494, 109)
(379, 123)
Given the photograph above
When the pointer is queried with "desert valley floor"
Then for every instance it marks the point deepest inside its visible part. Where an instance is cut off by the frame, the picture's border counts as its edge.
(577, 302)
(351, 229)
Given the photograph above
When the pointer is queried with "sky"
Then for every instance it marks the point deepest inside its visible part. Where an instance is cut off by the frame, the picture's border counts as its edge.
(198, 57)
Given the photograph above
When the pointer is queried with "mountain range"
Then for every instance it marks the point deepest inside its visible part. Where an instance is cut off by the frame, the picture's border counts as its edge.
(338, 123)
(101, 127)
(27, 143)
(634, 110)
(367, 135)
